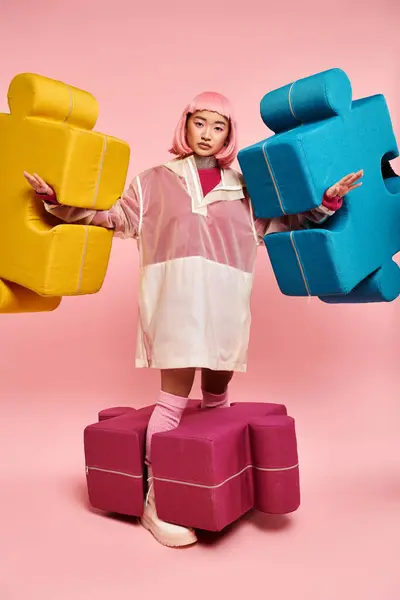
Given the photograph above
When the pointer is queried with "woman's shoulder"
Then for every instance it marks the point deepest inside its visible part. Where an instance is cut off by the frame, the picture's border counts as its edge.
(150, 175)
(160, 170)
(236, 178)
(235, 173)
(149, 172)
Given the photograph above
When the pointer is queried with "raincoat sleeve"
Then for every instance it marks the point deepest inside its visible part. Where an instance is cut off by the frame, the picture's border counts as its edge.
(317, 215)
(124, 217)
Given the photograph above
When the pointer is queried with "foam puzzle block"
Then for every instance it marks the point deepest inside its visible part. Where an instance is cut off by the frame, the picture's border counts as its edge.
(215, 467)
(321, 135)
(49, 131)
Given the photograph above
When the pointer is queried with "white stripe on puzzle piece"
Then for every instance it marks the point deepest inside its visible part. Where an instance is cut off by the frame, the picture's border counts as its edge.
(273, 178)
(198, 485)
(96, 193)
(290, 102)
(103, 154)
(213, 487)
(71, 103)
(113, 472)
(83, 259)
(300, 263)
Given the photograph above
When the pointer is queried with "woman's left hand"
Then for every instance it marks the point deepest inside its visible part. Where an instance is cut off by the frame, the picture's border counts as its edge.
(345, 185)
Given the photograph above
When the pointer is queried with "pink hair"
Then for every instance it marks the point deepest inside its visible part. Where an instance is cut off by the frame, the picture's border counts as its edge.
(213, 102)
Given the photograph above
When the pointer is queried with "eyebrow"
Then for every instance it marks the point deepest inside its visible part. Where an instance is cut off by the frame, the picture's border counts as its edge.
(215, 122)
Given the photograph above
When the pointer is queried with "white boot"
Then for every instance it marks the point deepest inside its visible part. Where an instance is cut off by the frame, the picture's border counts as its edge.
(167, 534)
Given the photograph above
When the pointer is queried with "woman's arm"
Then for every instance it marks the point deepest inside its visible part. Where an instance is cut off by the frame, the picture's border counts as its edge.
(332, 201)
(124, 217)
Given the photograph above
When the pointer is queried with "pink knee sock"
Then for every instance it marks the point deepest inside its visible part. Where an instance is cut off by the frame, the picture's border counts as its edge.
(215, 400)
(166, 416)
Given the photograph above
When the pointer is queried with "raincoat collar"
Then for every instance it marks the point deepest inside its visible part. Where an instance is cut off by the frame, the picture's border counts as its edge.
(229, 188)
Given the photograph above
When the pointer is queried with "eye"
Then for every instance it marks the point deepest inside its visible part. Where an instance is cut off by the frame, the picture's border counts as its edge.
(219, 129)
(198, 123)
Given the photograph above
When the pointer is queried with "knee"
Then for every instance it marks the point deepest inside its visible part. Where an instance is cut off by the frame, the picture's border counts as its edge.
(178, 382)
(215, 382)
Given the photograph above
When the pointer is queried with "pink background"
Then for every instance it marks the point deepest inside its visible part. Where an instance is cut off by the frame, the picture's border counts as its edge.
(336, 368)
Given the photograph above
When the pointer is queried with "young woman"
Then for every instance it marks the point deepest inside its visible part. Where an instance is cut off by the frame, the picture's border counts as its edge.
(197, 241)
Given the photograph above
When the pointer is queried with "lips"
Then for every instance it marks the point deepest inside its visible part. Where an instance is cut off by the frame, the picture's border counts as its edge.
(205, 146)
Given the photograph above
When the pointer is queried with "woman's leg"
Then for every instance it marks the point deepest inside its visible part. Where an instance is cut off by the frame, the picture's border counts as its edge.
(176, 385)
(175, 389)
(214, 385)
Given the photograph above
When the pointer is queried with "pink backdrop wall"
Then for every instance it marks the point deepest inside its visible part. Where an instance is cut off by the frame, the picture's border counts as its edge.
(336, 368)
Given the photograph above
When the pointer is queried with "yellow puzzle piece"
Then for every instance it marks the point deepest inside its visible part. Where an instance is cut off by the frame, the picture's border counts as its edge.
(49, 132)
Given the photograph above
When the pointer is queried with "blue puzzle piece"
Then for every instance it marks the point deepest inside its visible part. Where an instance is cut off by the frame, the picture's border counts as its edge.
(321, 136)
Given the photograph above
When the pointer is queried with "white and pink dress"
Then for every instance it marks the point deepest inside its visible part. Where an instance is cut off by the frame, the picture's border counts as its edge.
(197, 241)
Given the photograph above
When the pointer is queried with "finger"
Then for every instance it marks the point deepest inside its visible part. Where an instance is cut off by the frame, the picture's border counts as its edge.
(349, 180)
(356, 177)
(39, 180)
(32, 182)
(42, 185)
(356, 185)
(346, 179)
(29, 177)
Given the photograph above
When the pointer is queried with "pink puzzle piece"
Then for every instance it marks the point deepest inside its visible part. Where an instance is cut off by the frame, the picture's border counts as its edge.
(215, 467)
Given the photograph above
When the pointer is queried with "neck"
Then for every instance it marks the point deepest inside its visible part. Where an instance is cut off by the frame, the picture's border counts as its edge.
(205, 162)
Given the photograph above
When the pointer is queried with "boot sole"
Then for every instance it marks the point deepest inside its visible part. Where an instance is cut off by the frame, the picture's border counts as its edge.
(165, 540)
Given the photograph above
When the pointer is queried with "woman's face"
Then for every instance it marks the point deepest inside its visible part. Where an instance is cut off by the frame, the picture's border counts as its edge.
(207, 132)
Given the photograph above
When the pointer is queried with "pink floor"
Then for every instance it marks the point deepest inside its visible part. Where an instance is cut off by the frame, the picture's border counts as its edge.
(343, 543)
(336, 369)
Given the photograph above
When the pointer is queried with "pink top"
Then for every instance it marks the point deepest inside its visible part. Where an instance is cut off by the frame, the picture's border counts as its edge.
(209, 179)
(197, 244)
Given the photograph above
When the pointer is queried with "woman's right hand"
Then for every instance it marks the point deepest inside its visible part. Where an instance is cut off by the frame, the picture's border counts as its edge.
(38, 184)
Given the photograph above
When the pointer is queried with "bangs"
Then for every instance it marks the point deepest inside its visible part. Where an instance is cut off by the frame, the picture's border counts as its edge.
(213, 102)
